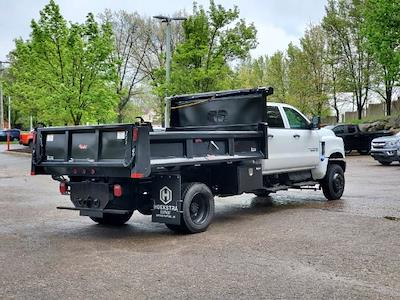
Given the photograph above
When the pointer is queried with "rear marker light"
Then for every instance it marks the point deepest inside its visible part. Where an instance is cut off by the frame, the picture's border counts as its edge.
(137, 175)
(33, 173)
(117, 190)
(63, 188)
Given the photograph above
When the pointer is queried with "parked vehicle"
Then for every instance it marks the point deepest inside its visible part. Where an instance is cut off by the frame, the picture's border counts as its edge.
(14, 134)
(386, 149)
(26, 138)
(354, 138)
(217, 144)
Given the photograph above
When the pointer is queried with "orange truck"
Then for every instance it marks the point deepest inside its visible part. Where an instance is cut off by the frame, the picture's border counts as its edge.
(26, 138)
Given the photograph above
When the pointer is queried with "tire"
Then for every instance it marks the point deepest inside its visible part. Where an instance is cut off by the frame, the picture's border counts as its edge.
(198, 209)
(363, 152)
(347, 152)
(333, 183)
(113, 219)
(261, 193)
(30, 144)
(385, 163)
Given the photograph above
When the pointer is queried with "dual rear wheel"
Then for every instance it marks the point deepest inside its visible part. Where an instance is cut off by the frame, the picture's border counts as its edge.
(198, 209)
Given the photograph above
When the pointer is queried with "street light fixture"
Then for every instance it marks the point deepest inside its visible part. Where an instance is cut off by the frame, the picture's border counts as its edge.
(168, 20)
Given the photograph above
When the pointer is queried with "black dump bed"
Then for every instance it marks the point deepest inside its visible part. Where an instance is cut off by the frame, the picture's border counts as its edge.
(224, 110)
(133, 150)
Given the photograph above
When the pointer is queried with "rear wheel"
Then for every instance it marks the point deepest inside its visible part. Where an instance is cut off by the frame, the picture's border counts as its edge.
(347, 151)
(363, 152)
(113, 219)
(198, 209)
(333, 183)
(385, 163)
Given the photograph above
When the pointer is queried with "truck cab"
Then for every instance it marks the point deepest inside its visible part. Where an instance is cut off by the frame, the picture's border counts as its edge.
(297, 151)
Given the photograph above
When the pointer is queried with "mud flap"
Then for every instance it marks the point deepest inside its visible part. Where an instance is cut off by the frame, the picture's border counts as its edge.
(166, 195)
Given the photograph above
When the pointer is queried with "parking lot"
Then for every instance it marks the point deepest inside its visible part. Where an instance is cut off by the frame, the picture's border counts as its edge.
(292, 245)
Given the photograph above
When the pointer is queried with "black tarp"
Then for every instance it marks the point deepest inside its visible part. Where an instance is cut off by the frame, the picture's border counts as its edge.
(220, 110)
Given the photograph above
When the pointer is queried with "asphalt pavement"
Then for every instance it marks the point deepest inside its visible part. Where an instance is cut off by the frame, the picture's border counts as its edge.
(292, 245)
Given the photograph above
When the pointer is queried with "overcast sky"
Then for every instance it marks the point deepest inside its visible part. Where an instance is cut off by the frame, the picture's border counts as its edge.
(278, 22)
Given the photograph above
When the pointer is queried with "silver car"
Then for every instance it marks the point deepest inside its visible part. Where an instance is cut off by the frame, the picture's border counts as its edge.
(386, 149)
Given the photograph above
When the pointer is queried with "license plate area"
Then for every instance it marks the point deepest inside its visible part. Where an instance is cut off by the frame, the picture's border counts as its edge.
(90, 195)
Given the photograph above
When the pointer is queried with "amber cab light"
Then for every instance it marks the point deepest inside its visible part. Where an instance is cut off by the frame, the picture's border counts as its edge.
(117, 190)
(63, 188)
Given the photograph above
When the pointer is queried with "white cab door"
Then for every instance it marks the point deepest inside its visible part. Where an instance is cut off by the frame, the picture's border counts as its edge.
(304, 142)
(279, 138)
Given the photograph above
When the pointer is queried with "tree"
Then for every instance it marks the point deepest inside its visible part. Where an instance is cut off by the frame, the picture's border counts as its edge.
(63, 73)
(382, 31)
(343, 22)
(252, 73)
(277, 76)
(213, 39)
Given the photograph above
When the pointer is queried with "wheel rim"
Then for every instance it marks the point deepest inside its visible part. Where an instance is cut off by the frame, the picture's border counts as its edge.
(199, 209)
(337, 182)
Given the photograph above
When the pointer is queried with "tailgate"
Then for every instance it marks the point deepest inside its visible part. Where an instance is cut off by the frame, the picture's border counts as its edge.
(110, 150)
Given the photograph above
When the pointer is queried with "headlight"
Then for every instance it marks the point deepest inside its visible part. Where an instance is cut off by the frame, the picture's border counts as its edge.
(393, 143)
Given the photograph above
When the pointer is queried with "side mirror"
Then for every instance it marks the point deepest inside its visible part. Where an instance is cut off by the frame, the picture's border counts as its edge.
(315, 122)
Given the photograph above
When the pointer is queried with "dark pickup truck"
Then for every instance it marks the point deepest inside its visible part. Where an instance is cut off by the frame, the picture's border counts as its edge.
(356, 139)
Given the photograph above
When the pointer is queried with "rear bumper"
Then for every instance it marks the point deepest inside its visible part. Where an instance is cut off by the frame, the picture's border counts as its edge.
(386, 155)
(97, 213)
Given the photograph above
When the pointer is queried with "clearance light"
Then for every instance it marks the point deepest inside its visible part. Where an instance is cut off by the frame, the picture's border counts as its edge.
(135, 134)
(117, 190)
(137, 175)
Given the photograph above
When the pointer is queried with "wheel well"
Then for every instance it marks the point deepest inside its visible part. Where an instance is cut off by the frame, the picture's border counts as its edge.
(341, 163)
(336, 155)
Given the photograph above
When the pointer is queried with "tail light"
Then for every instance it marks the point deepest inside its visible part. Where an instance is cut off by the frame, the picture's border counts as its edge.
(117, 190)
(63, 188)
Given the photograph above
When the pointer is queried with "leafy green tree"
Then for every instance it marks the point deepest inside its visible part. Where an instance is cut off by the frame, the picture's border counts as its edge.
(344, 22)
(382, 30)
(63, 73)
(213, 39)
(277, 76)
(252, 73)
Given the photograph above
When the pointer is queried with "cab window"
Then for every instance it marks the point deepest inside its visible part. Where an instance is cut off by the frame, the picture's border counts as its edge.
(338, 129)
(274, 117)
(351, 129)
(296, 120)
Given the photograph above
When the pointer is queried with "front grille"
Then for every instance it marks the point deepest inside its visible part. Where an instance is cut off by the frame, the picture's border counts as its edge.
(378, 145)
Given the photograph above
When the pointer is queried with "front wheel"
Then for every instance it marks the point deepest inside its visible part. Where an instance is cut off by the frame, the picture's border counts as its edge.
(113, 219)
(333, 182)
(385, 163)
(261, 193)
(198, 209)
(363, 152)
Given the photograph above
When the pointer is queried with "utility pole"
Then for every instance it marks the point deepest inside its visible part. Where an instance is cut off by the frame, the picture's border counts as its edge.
(9, 112)
(1, 95)
(168, 20)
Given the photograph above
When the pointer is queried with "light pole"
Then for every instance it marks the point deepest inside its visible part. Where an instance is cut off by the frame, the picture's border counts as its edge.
(168, 20)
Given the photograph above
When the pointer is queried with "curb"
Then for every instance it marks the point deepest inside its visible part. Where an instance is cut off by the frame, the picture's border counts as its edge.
(16, 153)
